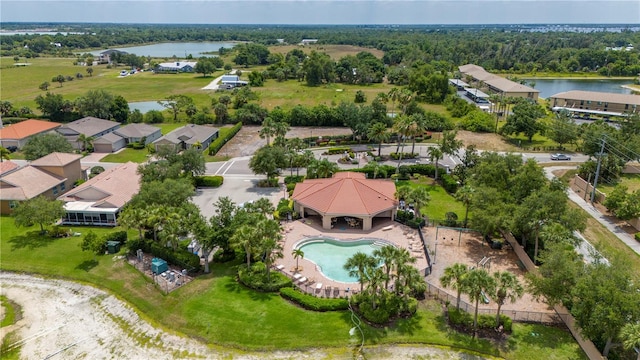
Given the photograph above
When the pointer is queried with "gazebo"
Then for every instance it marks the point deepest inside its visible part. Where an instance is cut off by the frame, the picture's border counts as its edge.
(347, 194)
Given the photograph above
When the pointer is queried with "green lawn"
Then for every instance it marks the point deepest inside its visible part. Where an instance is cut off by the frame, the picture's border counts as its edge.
(216, 309)
(631, 181)
(441, 202)
(127, 154)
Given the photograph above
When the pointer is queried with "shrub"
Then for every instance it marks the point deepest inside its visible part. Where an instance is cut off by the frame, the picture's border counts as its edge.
(256, 278)
(292, 179)
(637, 236)
(218, 143)
(449, 183)
(396, 156)
(209, 181)
(179, 257)
(461, 318)
(291, 187)
(119, 236)
(337, 150)
(222, 257)
(311, 302)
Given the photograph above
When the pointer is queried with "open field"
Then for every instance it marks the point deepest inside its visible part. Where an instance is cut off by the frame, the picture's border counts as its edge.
(217, 310)
(631, 181)
(334, 51)
(441, 202)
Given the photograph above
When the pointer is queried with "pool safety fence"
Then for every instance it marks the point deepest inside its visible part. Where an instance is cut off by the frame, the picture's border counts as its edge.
(427, 270)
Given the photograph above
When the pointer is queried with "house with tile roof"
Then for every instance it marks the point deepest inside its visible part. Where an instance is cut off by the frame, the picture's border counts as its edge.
(187, 136)
(7, 166)
(349, 196)
(128, 134)
(89, 126)
(99, 200)
(19, 133)
(50, 176)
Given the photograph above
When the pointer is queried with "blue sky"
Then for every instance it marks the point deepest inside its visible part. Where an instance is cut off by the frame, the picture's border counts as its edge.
(323, 12)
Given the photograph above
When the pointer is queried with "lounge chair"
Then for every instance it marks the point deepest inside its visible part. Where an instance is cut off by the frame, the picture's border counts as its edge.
(297, 276)
(280, 267)
(302, 280)
(318, 287)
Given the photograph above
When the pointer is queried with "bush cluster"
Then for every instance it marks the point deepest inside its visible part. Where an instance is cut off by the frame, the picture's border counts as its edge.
(337, 150)
(396, 156)
(449, 183)
(119, 236)
(209, 181)
(256, 278)
(179, 257)
(311, 302)
(637, 236)
(218, 143)
(293, 179)
(464, 319)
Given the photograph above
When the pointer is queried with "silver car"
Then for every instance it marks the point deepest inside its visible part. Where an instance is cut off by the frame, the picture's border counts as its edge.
(560, 157)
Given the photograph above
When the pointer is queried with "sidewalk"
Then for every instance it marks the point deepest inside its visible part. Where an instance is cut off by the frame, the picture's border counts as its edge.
(591, 210)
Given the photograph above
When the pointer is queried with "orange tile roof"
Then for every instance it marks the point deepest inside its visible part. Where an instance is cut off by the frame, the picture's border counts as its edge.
(27, 128)
(7, 166)
(112, 188)
(56, 159)
(347, 193)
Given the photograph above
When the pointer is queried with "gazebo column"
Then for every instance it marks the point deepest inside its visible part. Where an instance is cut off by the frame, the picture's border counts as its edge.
(366, 222)
(301, 210)
(326, 222)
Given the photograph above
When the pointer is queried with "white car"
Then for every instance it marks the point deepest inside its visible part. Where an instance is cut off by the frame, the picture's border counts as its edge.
(560, 157)
(124, 73)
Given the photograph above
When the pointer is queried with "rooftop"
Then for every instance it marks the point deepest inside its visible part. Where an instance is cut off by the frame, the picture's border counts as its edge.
(26, 183)
(27, 128)
(89, 126)
(56, 159)
(598, 96)
(136, 130)
(190, 134)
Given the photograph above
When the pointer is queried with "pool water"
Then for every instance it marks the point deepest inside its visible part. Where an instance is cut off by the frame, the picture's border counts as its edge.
(330, 255)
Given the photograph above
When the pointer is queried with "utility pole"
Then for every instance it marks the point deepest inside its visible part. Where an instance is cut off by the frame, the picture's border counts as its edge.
(595, 181)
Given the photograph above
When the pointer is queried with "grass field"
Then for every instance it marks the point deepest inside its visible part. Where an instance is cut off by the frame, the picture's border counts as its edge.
(335, 51)
(441, 202)
(216, 309)
(631, 181)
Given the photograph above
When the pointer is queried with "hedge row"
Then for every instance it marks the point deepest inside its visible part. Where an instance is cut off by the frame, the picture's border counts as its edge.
(119, 236)
(209, 181)
(396, 156)
(310, 302)
(462, 318)
(337, 150)
(178, 257)
(292, 179)
(449, 183)
(218, 143)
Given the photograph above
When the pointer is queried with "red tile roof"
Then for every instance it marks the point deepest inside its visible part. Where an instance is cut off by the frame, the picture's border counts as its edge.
(347, 193)
(27, 128)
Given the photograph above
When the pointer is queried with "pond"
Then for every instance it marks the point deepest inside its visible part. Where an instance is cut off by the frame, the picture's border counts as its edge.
(179, 49)
(550, 87)
(145, 106)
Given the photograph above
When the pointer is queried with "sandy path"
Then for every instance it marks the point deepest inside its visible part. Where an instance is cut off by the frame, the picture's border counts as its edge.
(65, 320)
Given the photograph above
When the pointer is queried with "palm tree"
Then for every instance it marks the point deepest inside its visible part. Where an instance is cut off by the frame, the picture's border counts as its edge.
(402, 193)
(133, 218)
(243, 239)
(4, 154)
(272, 251)
(394, 95)
(376, 276)
(420, 197)
(268, 129)
(476, 284)
(453, 277)
(280, 129)
(360, 265)
(405, 98)
(402, 264)
(435, 155)
(403, 128)
(378, 133)
(85, 141)
(507, 287)
(320, 169)
(415, 129)
(376, 168)
(465, 195)
(387, 255)
(297, 254)
(630, 335)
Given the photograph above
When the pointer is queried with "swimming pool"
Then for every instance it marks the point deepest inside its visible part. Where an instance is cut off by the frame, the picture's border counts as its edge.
(330, 255)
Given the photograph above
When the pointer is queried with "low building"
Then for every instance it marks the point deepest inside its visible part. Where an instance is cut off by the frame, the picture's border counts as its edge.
(595, 103)
(231, 81)
(107, 56)
(132, 133)
(89, 126)
(99, 200)
(176, 66)
(496, 84)
(187, 136)
(109, 143)
(346, 195)
(308, 41)
(16, 135)
(49, 176)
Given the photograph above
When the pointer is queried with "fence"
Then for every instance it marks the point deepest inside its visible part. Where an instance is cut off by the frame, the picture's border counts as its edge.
(515, 315)
(587, 346)
(427, 270)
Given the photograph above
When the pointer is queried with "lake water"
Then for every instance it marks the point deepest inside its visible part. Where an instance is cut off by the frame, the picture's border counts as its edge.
(550, 87)
(145, 106)
(179, 49)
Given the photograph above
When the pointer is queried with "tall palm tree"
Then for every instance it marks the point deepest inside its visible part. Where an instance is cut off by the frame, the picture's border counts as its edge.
(478, 283)
(4, 154)
(268, 129)
(394, 95)
(272, 250)
(402, 264)
(360, 265)
(453, 277)
(85, 141)
(297, 254)
(420, 197)
(387, 255)
(507, 287)
(403, 128)
(405, 98)
(320, 169)
(378, 133)
(465, 195)
(243, 239)
(415, 129)
(133, 218)
(280, 129)
(435, 155)
(375, 276)
(402, 193)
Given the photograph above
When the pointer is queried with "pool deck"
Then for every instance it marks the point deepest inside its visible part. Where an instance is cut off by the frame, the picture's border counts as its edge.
(390, 231)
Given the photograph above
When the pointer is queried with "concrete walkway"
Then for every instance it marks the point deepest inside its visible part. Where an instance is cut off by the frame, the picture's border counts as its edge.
(596, 214)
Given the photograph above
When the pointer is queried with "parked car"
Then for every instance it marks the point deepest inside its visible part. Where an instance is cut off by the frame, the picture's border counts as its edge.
(560, 157)
(124, 73)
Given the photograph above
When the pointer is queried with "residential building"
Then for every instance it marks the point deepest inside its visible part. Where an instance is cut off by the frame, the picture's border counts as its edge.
(231, 81)
(89, 127)
(128, 134)
(187, 136)
(308, 41)
(106, 57)
(596, 103)
(347, 195)
(8, 166)
(18, 134)
(98, 201)
(50, 176)
(176, 66)
(496, 84)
